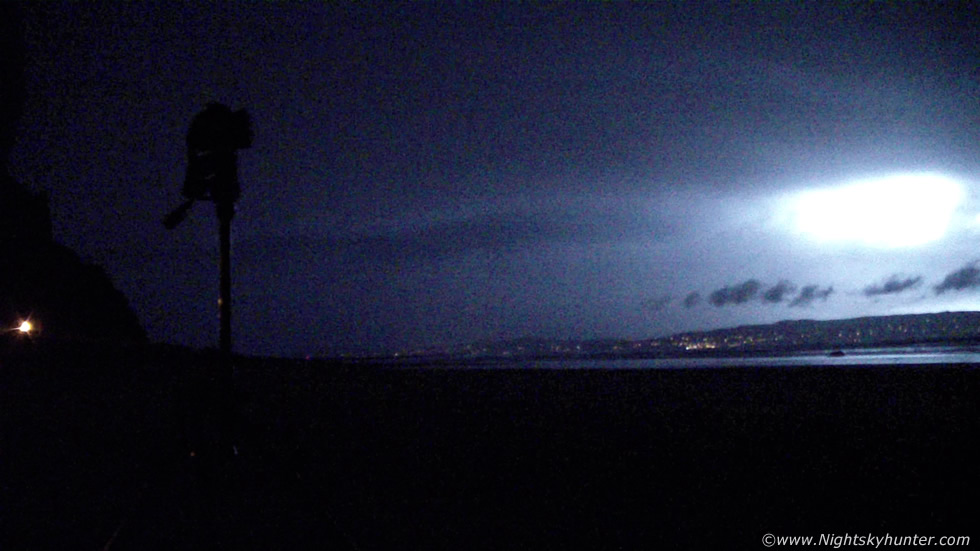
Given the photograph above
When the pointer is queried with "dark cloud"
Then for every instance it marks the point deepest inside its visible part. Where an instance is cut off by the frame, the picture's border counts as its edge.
(692, 300)
(810, 293)
(738, 294)
(779, 292)
(894, 285)
(658, 303)
(967, 277)
(494, 230)
(490, 231)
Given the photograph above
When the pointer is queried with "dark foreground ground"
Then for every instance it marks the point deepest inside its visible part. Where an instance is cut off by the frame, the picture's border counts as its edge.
(96, 455)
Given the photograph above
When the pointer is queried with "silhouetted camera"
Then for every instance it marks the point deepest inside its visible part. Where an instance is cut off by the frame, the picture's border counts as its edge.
(216, 133)
(214, 136)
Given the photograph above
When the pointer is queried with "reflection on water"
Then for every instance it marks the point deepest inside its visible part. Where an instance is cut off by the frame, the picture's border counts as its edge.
(910, 355)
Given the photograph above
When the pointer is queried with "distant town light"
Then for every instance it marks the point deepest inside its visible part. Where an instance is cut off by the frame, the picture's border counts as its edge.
(25, 326)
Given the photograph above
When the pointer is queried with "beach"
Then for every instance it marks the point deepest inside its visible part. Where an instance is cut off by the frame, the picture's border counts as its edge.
(98, 450)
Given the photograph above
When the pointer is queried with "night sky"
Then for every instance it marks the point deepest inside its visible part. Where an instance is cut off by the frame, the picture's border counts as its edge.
(428, 174)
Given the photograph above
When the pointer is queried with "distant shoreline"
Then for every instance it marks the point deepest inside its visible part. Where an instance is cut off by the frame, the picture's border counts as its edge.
(841, 354)
(775, 339)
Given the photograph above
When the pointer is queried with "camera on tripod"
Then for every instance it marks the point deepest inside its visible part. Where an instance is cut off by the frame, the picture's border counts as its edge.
(215, 135)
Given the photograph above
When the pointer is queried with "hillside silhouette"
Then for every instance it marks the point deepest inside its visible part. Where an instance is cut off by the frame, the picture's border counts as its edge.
(41, 279)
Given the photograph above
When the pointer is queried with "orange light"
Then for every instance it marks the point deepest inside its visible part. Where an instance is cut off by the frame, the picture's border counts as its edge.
(25, 327)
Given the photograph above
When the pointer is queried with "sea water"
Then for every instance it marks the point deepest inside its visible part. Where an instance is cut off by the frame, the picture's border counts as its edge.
(906, 355)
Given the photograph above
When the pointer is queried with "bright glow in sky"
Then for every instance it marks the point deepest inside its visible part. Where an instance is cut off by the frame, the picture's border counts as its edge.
(904, 210)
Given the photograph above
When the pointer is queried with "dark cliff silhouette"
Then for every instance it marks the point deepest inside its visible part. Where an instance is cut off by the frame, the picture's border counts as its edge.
(40, 279)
